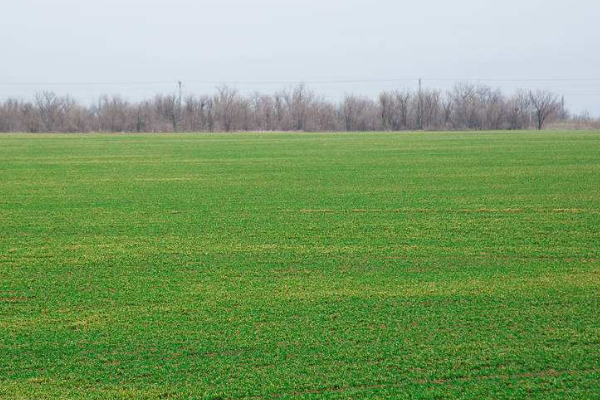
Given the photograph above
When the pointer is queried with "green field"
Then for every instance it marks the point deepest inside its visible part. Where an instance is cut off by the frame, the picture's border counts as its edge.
(300, 266)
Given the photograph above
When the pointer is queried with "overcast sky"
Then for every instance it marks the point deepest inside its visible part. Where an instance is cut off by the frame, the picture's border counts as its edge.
(141, 43)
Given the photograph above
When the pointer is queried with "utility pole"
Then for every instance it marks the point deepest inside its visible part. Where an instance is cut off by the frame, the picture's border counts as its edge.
(180, 111)
(179, 85)
(420, 106)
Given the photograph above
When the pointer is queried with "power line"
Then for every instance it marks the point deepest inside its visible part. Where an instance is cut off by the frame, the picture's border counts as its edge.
(308, 82)
(516, 79)
(301, 81)
(204, 82)
(86, 83)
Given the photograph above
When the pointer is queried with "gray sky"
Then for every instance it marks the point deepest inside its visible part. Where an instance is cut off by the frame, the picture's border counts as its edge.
(141, 42)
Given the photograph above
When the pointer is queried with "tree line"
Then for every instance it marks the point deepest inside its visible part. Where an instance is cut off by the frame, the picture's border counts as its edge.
(465, 107)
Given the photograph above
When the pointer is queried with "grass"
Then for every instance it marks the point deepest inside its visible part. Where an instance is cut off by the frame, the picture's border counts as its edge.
(288, 266)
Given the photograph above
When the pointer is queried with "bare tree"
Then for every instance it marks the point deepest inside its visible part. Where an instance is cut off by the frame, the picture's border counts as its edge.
(430, 109)
(224, 106)
(494, 109)
(298, 102)
(356, 113)
(113, 114)
(11, 119)
(545, 105)
(49, 110)
(447, 105)
(466, 106)
(386, 110)
(403, 109)
(465, 99)
(263, 107)
(518, 111)
(167, 108)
